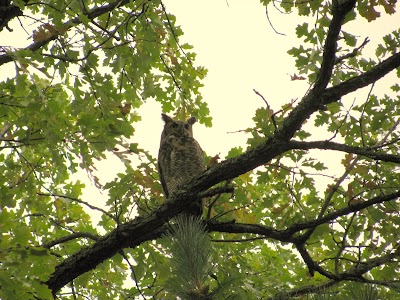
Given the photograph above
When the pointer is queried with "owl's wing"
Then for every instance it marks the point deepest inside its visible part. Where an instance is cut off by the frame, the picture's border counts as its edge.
(199, 155)
(163, 184)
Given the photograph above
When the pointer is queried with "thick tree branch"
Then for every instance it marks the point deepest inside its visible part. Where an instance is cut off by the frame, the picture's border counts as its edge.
(313, 100)
(7, 13)
(334, 93)
(310, 289)
(366, 266)
(94, 13)
(311, 264)
(287, 235)
(342, 212)
(139, 230)
(339, 10)
(130, 234)
(327, 145)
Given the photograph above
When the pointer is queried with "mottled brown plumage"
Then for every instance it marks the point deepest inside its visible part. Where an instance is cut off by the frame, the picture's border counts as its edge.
(180, 158)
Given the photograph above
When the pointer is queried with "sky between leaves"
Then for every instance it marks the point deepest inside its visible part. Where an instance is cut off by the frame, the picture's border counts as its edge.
(234, 40)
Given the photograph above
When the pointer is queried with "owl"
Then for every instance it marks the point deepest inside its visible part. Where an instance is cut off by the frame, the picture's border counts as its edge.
(180, 158)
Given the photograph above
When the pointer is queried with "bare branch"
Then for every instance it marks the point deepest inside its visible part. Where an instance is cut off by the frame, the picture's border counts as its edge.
(269, 108)
(79, 201)
(217, 191)
(270, 23)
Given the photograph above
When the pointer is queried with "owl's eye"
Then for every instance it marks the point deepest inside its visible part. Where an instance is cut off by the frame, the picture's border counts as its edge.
(187, 126)
(174, 125)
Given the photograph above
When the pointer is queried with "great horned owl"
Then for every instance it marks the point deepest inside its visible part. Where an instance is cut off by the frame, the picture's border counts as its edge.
(180, 158)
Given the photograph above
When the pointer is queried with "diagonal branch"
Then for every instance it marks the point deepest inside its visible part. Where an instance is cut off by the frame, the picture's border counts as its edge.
(313, 100)
(342, 212)
(92, 14)
(327, 145)
(7, 13)
(368, 265)
(139, 230)
(287, 235)
(339, 10)
(334, 93)
(310, 289)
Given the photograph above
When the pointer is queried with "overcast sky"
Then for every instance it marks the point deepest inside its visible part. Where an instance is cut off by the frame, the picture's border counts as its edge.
(235, 42)
(242, 52)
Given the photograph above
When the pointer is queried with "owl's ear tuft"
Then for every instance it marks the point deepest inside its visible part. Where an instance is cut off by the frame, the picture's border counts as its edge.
(191, 120)
(166, 118)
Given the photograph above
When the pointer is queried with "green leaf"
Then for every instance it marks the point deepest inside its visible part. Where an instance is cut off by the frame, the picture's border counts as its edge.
(302, 30)
(350, 39)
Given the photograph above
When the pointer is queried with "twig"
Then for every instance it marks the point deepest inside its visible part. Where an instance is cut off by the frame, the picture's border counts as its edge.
(352, 53)
(238, 240)
(269, 108)
(219, 191)
(70, 237)
(135, 279)
(79, 201)
(176, 38)
(360, 120)
(270, 23)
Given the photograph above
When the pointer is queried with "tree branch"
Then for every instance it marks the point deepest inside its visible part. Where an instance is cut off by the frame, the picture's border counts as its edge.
(334, 93)
(94, 13)
(135, 232)
(352, 53)
(70, 237)
(327, 145)
(339, 10)
(364, 267)
(7, 13)
(310, 289)
(79, 201)
(342, 212)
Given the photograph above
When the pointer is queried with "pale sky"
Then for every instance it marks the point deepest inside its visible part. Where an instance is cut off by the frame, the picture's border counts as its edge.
(241, 51)
(234, 41)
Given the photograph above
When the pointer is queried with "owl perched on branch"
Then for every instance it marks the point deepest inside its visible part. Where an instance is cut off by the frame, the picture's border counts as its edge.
(180, 158)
